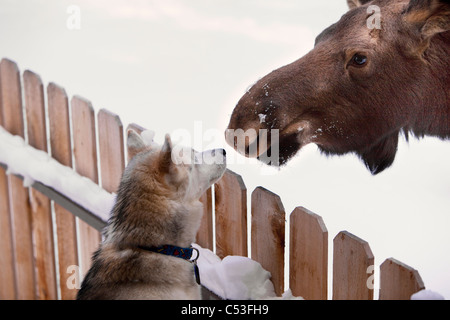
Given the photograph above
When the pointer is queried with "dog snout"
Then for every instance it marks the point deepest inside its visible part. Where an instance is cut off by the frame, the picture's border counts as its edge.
(219, 151)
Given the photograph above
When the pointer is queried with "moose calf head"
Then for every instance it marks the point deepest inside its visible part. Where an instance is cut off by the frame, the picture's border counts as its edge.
(358, 88)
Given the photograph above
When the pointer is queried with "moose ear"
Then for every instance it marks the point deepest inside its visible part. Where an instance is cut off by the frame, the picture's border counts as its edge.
(352, 4)
(429, 16)
(135, 143)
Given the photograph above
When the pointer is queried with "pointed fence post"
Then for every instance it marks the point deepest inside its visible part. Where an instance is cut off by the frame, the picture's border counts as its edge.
(19, 199)
(352, 257)
(42, 222)
(85, 155)
(66, 233)
(205, 232)
(8, 290)
(268, 234)
(231, 215)
(308, 257)
(398, 281)
(112, 155)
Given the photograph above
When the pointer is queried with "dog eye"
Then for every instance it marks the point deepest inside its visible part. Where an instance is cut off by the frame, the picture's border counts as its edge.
(359, 60)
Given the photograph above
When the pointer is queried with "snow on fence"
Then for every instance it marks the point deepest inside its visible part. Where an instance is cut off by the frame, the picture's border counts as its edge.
(43, 239)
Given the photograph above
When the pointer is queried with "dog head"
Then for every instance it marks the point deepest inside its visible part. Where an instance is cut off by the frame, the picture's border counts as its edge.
(179, 172)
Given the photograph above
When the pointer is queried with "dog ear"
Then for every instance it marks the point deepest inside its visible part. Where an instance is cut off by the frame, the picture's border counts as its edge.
(352, 4)
(135, 143)
(165, 160)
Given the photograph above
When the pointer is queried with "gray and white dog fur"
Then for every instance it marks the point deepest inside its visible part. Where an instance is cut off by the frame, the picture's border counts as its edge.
(157, 204)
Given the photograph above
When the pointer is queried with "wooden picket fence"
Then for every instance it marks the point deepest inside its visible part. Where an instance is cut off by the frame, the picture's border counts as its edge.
(40, 240)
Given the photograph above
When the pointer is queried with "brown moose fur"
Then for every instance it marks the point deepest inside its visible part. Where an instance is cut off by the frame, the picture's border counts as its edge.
(327, 99)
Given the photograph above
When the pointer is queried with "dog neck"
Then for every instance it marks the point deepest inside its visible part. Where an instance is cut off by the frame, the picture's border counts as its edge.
(174, 223)
(178, 252)
(174, 251)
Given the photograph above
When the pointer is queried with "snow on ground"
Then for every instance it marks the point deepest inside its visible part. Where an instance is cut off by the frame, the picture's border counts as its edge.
(236, 277)
(426, 295)
(36, 165)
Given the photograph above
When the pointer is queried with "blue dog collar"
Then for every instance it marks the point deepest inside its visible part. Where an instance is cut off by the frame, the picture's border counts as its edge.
(178, 252)
(174, 251)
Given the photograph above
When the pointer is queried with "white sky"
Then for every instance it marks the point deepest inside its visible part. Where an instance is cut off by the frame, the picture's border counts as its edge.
(170, 64)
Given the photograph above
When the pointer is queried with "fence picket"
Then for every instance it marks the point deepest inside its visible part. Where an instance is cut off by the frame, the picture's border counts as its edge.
(398, 281)
(42, 223)
(205, 232)
(11, 95)
(85, 155)
(112, 159)
(308, 258)
(230, 195)
(61, 149)
(7, 275)
(352, 257)
(19, 200)
(268, 235)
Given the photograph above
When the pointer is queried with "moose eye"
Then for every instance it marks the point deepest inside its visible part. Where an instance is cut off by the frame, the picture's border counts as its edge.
(359, 60)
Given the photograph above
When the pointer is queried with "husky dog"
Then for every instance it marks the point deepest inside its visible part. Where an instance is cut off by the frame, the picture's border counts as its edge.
(157, 205)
